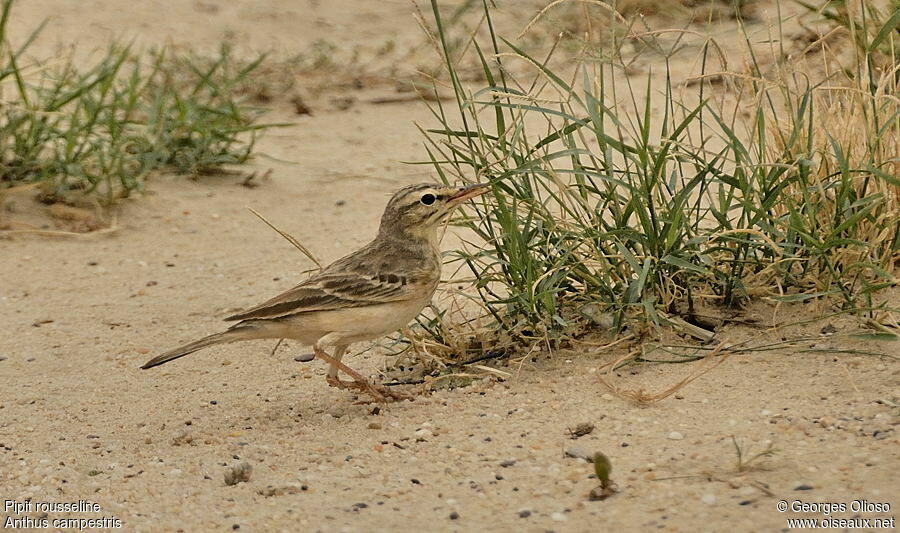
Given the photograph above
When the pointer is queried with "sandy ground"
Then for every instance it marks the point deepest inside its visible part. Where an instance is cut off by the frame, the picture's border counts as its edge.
(80, 421)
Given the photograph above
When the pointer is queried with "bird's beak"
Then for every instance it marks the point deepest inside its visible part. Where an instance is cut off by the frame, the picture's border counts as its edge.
(465, 193)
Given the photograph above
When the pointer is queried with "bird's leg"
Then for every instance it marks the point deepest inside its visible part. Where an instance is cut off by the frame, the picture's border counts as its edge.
(335, 364)
(359, 382)
(379, 392)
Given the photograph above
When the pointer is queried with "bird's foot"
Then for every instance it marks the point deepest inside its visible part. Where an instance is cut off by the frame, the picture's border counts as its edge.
(379, 393)
(362, 386)
(392, 394)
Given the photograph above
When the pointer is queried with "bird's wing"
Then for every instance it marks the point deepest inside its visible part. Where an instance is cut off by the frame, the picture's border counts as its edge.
(334, 290)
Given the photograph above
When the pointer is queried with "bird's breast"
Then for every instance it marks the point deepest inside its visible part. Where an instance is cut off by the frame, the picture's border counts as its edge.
(372, 321)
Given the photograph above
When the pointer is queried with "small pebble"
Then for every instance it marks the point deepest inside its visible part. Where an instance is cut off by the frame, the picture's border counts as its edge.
(581, 430)
(675, 435)
(559, 517)
(454, 515)
(803, 486)
(709, 498)
(524, 513)
(238, 473)
(508, 463)
(578, 453)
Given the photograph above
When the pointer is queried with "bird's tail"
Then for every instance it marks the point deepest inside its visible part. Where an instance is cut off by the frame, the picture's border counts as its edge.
(181, 351)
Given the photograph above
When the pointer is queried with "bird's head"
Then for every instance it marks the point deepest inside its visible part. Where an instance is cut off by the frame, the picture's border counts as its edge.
(418, 210)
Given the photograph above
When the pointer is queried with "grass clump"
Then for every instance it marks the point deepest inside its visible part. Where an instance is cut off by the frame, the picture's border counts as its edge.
(637, 199)
(871, 26)
(101, 130)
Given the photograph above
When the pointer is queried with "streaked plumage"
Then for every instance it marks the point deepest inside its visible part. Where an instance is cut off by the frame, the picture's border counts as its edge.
(372, 292)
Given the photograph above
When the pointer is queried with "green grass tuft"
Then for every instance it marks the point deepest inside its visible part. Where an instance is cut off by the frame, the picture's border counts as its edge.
(644, 197)
(101, 130)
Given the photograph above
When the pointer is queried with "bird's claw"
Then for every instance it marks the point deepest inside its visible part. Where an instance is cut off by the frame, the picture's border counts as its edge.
(379, 393)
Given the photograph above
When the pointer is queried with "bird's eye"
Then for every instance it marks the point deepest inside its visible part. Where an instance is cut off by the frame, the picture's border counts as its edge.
(428, 199)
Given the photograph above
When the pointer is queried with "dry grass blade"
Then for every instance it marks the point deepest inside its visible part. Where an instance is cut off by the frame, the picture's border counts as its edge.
(647, 398)
(113, 227)
(490, 370)
(289, 239)
(694, 331)
(544, 11)
(60, 234)
(745, 462)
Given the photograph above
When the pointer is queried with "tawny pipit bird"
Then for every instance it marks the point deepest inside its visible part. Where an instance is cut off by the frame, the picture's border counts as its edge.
(374, 291)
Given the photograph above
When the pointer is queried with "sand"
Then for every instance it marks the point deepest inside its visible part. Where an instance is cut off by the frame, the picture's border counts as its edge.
(79, 422)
